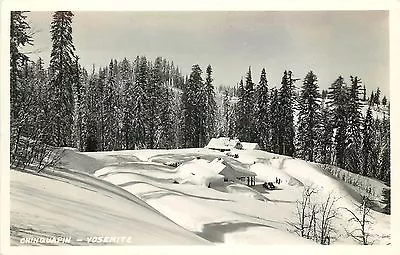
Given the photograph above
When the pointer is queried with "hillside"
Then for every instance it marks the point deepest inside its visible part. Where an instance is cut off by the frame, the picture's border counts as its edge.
(132, 193)
(69, 203)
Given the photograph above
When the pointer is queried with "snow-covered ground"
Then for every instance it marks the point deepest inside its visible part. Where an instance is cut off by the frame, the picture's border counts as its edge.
(136, 193)
(72, 204)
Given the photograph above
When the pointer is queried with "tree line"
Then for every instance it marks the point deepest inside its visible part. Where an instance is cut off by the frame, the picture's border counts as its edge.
(145, 104)
(330, 127)
(139, 104)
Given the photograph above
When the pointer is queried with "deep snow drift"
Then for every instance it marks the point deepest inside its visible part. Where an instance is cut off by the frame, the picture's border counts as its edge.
(137, 193)
(71, 204)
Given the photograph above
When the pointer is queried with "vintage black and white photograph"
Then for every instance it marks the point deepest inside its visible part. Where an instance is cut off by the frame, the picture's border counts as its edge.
(199, 127)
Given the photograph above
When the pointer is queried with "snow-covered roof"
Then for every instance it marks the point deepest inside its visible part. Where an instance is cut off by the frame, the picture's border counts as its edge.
(199, 172)
(202, 172)
(224, 168)
(222, 143)
(250, 146)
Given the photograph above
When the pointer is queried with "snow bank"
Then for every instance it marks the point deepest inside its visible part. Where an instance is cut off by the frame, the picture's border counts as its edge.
(72, 159)
(113, 157)
(200, 172)
(268, 173)
(44, 207)
(246, 191)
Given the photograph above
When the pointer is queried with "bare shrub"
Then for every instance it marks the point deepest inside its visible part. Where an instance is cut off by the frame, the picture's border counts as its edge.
(314, 220)
(305, 218)
(328, 212)
(363, 219)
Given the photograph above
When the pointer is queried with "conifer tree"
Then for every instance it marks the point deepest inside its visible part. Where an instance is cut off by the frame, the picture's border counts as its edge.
(286, 122)
(83, 85)
(274, 110)
(384, 101)
(325, 138)
(309, 118)
(19, 37)
(239, 113)
(111, 127)
(166, 138)
(91, 101)
(101, 114)
(226, 108)
(232, 121)
(20, 99)
(137, 105)
(126, 84)
(61, 69)
(210, 106)
(372, 99)
(262, 116)
(249, 133)
(364, 93)
(377, 145)
(324, 94)
(153, 92)
(377, 97)
(338, 97)
(78, 105)
(193, 111)
(367, 144)
(353, 134)
(385, 165)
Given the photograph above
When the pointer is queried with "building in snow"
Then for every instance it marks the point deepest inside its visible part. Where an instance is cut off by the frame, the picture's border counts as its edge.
(214, 173)
(236, 175)
(224, 144)
(250, 146)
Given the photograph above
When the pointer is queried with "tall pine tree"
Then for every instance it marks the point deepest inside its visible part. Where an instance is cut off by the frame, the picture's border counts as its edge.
(286, 122)
(193, 109)
(153, 101)
(338, 97)
(274, 110)
(62, 73)
(210, 106)
(367, 144)
(353, 133)
(262, 115)
(19, 37)
(325, 138)
(309, 118)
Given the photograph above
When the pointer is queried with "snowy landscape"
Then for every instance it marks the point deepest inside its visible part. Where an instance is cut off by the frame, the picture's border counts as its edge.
(136, 151)
(133, 193)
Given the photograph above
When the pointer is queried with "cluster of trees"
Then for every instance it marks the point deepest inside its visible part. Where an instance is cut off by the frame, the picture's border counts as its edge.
(330, 127)
(141, 105)
(198, 108)
(125, 105)
(33, 95)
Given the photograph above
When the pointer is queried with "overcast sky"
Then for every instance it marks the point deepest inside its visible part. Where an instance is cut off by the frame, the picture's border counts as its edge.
(331, 43)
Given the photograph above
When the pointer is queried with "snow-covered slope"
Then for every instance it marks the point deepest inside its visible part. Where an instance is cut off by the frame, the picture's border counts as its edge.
(134, 192)
(231, 212)
(75, 205)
